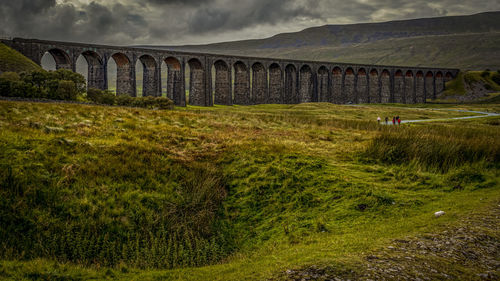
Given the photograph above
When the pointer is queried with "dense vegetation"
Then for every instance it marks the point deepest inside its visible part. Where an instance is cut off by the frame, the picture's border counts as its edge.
(57, 85)
(257, 189)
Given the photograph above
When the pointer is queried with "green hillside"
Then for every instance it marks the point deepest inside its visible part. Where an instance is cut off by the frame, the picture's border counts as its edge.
(465, 42)
(232, 193)
(11, 60)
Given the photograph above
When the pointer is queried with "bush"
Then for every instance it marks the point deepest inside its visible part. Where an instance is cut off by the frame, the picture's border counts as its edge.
(496, 78)
(61, 84)
(66, 90)
(101, 97)
(485, 74)
(145, 102)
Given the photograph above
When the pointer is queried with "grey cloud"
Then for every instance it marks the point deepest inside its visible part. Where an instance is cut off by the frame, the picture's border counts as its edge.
(172, 22)
(258, 13)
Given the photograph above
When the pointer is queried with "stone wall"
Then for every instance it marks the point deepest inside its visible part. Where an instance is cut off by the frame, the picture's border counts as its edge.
(362, 87)
(222, 87)
(385, 87)
(259, 84)
(275, 84)
(323, 93)
(349, 90)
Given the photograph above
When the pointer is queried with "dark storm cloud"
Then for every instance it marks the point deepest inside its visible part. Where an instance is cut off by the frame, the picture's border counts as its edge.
(198, 21)
(178, 2)
(259, 12)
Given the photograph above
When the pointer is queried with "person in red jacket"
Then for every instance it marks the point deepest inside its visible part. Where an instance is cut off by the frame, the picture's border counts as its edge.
(399, 121)
(393, 120)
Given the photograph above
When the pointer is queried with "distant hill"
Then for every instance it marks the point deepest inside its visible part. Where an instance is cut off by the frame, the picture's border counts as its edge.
(12, 60)
(466, 42)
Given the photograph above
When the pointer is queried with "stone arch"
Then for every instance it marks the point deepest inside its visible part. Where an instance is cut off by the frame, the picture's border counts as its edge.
(95, 70)
(306, 84)
(323, 92)
(241, 84)
(419, 87)
(222, 87)
(275, 84)
(362, 95)
(291, 95)
(349, 86)
(337, 93)
(429, 85)
(61, 58)
(409, 87)
(197, 91)
(385, 86)
(374, 89)
(149, 75)
(259, 84)
(399, 87)
(125, 76)
(175, 81)
(439, 82)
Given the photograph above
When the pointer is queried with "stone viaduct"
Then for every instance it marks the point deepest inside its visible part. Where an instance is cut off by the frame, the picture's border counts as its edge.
(243, 80)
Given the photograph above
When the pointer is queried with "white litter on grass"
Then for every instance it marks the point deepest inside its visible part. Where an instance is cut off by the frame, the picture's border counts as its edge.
(438, 214)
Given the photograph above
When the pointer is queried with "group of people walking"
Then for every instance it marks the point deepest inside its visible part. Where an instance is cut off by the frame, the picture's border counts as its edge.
(395, 120)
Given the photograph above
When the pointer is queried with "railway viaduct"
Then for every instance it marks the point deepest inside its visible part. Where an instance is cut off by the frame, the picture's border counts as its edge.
(243, 80)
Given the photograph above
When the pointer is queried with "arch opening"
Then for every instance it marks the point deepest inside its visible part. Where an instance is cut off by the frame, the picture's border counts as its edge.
(147, 76)
(54, 59)
(174, 82)
(197, 91)
(123, 82)
(222, 81)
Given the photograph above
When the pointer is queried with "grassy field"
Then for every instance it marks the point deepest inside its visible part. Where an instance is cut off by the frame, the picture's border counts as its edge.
(229, 193)
(11, 60)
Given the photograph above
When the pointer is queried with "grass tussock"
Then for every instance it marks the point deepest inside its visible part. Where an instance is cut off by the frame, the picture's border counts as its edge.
(436, 147)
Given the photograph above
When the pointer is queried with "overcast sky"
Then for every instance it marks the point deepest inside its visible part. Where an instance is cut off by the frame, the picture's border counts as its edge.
(175, 22)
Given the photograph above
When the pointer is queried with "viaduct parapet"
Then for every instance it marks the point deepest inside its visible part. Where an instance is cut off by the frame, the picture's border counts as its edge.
(243, 80)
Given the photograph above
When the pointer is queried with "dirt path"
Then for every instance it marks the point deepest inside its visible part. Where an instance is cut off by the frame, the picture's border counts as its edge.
(468, 251)
(482, 115)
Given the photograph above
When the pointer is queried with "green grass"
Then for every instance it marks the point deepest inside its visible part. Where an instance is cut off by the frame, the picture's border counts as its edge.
(11, 60)
(265, 188)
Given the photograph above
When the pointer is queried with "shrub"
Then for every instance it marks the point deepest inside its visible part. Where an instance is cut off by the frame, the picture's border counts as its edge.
(145, 102)
(485, 74)
(61, 84)
(101, 97)
(434, 147)
(496, 78)
(66, 90)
